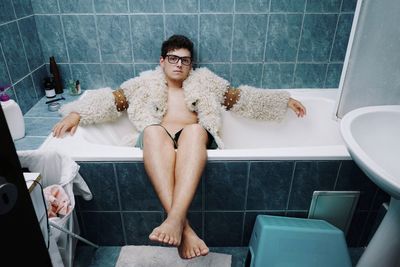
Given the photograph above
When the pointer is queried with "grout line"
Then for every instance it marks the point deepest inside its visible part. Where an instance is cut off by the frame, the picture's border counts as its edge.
(186, 13)
(65, 39)
(24, 50)
(337, 175)
(291, 186)
(198, 32)
(246, 193)
(163, 14)
(98, 42)
(265, 46)
(332, 45)
(232, 36)
(119, 202)
(298, 45)
(8, 73)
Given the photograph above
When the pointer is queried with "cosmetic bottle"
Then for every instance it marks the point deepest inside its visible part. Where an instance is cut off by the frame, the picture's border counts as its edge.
(78, 87)
(14, 117)
(56, 74)
(49, 87)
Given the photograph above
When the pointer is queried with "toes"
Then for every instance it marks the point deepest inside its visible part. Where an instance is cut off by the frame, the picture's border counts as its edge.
(197, 251)
(166, 239)
(192, 253)
(204, 251)
(161, 237)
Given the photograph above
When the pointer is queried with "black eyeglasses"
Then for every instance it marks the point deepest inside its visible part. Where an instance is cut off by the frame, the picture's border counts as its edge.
(173, 59)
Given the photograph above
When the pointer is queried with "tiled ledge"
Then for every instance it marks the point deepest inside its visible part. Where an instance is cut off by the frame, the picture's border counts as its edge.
(39, 121)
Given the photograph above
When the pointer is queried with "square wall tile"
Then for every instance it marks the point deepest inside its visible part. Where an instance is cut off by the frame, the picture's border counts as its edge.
(90, 76)
(287, 5)
(317, 36)
(45, 7)
(81, 38)
(13, 50)
(269, 184)
(249, 37)
(146, 6)
(138, 226)
(352, 178)
(283, 37)
(279, 75)
(225, 185)
(76, 6)
(30, 38)
(333, 75)
(23, 8)
(111, 6)
(181, 6)
(52, 42)
(101, 181)
(147, 36)
(246, 74)
(223, 229)
(26, 95)
(135, 188)
(103, 228)
(342, 37)
(114, 38)
(310, 176)
(252, 6)
(6, 11)
(185, 25)
(116, 74)
(323, 6)
(215, 36)
(216, 6)
(309, 75)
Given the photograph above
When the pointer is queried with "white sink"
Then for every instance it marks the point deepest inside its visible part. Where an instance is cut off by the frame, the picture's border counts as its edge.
(372, 137)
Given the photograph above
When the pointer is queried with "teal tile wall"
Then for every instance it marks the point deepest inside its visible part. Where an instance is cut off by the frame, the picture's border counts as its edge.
(264, 43)
(21, 58)
(229, 197)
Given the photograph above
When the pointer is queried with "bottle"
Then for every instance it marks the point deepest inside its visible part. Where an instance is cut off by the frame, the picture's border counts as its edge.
(78, 87)
(49, 87)
(56, 75)
(14, 117)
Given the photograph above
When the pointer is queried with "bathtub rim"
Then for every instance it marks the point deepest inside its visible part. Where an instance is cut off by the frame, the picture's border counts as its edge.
(72, 146)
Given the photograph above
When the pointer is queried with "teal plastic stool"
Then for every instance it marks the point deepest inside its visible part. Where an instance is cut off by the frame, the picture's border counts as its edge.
(294, 242)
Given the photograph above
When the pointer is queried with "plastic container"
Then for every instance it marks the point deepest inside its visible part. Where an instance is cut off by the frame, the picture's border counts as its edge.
(14, 118)
(284, 241)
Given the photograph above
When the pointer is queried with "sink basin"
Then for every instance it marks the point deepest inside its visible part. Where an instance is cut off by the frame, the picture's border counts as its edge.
(372, 137)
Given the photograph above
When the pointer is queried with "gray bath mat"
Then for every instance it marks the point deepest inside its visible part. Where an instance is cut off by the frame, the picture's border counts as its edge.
(156, 256)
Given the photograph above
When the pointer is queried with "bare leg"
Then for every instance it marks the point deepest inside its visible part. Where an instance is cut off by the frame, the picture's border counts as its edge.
(190, 161)
(160, 169)
(159, 162)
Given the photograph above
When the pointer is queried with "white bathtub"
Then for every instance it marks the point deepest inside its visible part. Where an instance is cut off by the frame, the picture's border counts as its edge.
(314, 137)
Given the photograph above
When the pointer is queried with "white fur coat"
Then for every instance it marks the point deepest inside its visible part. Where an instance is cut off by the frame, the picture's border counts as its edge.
(204, 92)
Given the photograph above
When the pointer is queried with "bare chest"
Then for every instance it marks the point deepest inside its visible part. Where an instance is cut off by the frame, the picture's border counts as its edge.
(177, 111)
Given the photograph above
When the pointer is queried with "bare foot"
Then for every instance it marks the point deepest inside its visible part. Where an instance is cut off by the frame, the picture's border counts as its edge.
(192, 246)
(169, 232)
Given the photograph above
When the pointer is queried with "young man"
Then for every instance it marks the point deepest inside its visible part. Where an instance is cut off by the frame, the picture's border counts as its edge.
(177, 113)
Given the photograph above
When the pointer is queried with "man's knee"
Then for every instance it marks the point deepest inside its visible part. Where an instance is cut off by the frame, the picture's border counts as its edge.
(195, 132)
(153, 134)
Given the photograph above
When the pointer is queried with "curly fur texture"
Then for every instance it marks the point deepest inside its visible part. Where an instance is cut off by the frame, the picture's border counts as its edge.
(204, 91)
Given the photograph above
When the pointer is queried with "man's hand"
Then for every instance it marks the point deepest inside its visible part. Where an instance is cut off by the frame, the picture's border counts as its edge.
(68, 124)
(297, 107)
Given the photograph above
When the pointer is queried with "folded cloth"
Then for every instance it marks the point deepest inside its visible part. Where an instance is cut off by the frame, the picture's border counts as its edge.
(58, 201)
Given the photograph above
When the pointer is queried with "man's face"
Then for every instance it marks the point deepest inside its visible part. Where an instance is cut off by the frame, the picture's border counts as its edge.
(173, 66)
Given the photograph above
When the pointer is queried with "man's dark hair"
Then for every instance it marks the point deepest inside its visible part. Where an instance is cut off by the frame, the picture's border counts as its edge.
(177, 42)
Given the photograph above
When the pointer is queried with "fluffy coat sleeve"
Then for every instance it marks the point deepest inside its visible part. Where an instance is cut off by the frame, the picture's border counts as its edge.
(97, 106)
(261, 104)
